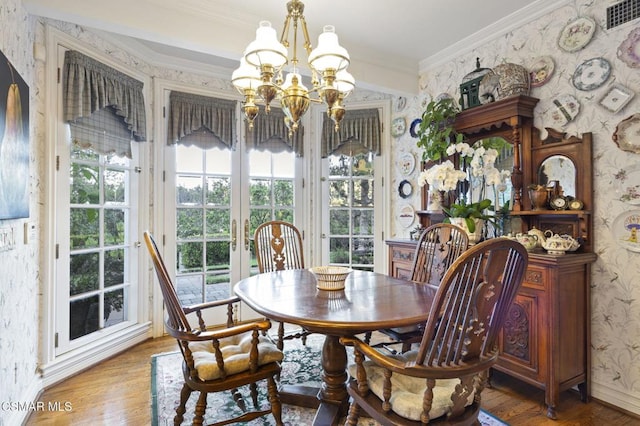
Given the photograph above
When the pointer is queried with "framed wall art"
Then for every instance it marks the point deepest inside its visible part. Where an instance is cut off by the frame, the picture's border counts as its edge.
(14, 143)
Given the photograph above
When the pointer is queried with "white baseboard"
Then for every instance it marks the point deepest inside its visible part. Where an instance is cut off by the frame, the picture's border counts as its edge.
(18, 412)
(75, 362)
(616, 397)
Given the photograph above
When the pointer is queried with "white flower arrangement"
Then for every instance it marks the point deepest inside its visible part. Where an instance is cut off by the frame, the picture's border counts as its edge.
(481, 169)
(477, 166)
(442, 177)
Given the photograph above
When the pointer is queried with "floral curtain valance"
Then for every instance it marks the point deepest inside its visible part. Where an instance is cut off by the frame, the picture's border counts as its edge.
(270, 133)
(361, 126)
(90, 86)
(190, 114)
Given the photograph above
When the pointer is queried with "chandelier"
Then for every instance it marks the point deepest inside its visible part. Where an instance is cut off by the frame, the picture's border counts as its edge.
(260, 75)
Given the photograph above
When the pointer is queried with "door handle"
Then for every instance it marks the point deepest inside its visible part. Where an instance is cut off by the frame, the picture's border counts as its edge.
(234, 234)
(246, 234)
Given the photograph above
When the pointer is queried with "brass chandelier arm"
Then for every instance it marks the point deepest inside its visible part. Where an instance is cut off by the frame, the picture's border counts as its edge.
(295, 12)
(285, 31)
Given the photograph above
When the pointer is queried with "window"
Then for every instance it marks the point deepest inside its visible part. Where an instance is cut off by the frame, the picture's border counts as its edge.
(272, 191)
(99, 241)
(351, 209)
(203, 215)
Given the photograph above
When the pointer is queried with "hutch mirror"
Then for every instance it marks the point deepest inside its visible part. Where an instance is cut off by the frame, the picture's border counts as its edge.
(561, 170)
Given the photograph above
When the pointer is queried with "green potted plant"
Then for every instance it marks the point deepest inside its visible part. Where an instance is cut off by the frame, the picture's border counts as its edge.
(469, 217)
(436, 132)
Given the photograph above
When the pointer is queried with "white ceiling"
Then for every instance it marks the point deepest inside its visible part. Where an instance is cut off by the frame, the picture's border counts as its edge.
(389, 42)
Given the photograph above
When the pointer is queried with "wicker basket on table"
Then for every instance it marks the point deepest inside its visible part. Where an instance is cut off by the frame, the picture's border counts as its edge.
(330, 277)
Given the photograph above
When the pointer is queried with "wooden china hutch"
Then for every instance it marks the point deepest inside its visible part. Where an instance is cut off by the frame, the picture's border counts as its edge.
(546, 339)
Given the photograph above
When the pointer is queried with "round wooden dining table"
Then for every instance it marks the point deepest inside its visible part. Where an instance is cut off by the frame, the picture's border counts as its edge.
(370, 301)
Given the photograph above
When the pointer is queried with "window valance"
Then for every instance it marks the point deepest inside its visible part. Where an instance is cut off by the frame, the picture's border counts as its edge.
(361, 126)
(104, 132)
(189, 113)
(270, 133)
(90, 85)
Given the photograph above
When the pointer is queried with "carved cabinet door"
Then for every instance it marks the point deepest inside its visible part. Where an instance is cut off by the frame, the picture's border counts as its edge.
(523, 337)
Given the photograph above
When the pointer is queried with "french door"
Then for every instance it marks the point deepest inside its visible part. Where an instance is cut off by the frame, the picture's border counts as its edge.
(98, 195)
(202, 236)
(214, 199)
(352, 219)
(97, 270)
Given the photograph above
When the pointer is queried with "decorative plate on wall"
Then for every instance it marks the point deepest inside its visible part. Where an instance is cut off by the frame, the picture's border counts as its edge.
(628, 189)
(398, 127)
(629, 49)
(591, 74)
(541, 71)
(566, 108)
(626, 230)
(616, 98)
(626, 134)
(413, 128)
(405, 189)
(577, 34)
(401, 103)
(406, 163)
(406, 216)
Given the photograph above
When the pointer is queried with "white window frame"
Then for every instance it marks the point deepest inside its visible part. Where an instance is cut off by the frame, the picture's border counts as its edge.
(57, 367)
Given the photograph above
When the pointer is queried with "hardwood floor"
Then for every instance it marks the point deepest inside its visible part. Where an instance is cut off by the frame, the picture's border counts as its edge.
(117, 392)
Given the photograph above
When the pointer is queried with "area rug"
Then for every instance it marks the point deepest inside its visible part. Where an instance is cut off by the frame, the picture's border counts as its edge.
(301, 366)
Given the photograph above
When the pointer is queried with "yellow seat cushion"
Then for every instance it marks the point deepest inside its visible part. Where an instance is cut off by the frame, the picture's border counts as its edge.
(407, 392)
(235, 352)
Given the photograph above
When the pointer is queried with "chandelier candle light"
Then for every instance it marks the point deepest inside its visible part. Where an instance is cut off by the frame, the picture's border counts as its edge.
(260, 75)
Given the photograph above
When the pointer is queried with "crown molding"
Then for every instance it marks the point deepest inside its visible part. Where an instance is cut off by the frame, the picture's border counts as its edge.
(153, 58)
(505, 25)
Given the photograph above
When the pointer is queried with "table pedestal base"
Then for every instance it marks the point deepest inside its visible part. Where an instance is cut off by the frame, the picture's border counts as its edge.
(328, 413)
(331, 399)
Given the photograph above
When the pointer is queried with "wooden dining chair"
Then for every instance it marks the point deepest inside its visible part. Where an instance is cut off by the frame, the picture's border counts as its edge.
(219, 360)
(278, 246)
(443, 379)
(437, 248)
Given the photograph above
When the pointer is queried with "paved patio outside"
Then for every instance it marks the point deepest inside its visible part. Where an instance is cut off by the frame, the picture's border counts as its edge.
(189, 290)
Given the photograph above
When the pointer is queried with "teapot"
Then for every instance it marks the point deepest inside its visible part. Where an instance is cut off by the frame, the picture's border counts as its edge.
(540, 236)
(529, 241)
(559, 244)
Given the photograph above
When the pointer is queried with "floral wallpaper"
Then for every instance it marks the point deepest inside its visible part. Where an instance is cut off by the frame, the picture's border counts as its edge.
(19, 284)
(615, 301)
(615, 283)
